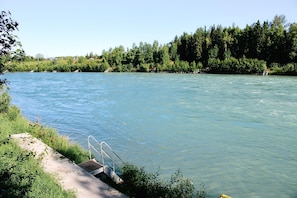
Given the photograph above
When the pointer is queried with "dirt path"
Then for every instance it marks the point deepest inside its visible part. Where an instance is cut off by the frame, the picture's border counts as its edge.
(71, 176)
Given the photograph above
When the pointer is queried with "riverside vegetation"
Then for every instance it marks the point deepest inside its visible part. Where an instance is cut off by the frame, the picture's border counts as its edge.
(21, 175)
(270, 46)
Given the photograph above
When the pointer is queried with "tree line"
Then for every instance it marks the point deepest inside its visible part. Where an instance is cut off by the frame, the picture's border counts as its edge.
(218, 49)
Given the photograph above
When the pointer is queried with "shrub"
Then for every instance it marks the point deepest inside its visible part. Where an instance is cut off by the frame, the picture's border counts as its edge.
(139, 183)
(287, 69)
(144, 68)
(236, 66)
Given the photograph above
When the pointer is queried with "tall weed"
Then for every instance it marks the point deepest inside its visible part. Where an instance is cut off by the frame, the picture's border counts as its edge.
(4, 101)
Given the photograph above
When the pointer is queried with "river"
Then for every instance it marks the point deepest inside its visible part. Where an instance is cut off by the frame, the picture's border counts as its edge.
(237, 134)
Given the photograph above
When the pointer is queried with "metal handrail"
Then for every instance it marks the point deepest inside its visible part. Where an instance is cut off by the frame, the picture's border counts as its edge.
(93, 147)
(103, 151)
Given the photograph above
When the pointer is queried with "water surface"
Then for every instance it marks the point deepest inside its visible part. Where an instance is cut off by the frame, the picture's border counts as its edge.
(234, 133)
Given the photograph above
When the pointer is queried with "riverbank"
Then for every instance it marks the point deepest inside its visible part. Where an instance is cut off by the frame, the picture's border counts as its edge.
(20, 173)
(30, 168)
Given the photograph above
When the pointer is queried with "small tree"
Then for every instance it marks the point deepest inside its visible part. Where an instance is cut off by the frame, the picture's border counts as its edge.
(8, 41)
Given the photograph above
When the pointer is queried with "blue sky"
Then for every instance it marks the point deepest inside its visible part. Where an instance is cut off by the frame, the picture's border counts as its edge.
(64, 27)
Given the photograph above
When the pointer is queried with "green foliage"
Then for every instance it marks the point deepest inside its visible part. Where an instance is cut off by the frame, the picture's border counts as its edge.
(13, 113)
(144, 68)
(181, 66)
(139, 183)
(4, 99)
(8, 42)
(7, 39)
(286, 69)
(236, 66)
(180, 186)
(213, 52)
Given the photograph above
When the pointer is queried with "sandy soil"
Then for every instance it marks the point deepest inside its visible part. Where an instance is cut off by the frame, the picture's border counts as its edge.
(71, 176)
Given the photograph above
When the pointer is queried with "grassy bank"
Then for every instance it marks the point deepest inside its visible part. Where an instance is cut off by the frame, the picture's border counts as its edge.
(21, 176)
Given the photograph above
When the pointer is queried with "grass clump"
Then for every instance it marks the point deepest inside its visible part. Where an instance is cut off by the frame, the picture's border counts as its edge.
(50, 136)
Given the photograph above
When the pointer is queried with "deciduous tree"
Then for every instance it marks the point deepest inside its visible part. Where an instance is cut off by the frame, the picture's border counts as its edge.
(8, 41)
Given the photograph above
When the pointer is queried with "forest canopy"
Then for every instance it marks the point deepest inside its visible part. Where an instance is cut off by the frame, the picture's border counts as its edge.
(257, 47)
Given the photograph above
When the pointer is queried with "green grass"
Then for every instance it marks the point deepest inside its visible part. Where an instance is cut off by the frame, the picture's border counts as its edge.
(50, 136)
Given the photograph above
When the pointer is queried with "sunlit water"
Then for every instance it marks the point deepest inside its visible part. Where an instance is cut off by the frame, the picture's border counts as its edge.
(236, 134)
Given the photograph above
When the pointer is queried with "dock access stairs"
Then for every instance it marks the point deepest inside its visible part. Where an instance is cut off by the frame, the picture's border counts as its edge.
(103, 160)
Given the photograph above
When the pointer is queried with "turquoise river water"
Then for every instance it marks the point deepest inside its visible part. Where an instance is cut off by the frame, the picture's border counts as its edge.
(236, 134)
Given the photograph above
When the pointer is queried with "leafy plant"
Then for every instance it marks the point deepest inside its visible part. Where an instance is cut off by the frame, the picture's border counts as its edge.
(139, 183)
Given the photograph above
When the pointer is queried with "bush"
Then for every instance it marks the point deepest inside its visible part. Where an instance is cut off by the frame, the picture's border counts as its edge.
(236, 66)
(144, 68)
(139, 183)
(287, 69)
